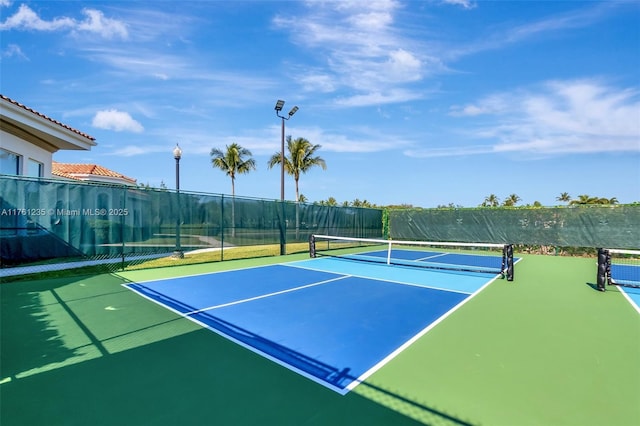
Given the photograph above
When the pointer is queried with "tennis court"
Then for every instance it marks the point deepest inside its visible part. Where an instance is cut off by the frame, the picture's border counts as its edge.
(333, 320)
(546, 348)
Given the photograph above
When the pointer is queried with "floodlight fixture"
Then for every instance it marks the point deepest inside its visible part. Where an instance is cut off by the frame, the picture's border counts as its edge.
(293, 111)
(279, 105)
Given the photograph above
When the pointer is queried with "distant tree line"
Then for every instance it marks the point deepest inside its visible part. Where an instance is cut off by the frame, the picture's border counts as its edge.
(512, 200)
(301, 157)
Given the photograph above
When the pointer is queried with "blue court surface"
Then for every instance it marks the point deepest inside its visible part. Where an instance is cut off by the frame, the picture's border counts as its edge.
(629, 276)
(633, 296)
(332, 320)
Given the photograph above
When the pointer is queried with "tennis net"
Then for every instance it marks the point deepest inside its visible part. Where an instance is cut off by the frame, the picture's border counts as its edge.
(468, 257)
(618, 267)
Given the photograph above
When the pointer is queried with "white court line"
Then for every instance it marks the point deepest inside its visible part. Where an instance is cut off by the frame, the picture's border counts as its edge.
(380, 279)
(275, 293)
(433, 256)
(285, 364)
(412, 340)
(199, 274)
(629, 299)
(320, 381)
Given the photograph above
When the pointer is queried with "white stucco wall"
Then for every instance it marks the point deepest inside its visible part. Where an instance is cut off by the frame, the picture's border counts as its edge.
(27, 151)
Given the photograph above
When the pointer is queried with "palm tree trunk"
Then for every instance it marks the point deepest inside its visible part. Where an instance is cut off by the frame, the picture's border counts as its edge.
(233, 209)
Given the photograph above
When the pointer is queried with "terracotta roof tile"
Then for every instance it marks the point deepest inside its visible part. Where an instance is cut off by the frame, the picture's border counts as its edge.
(70, 170)
(47, 118)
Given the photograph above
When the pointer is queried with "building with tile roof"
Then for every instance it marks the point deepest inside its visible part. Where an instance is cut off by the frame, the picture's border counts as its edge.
(89, 173)
(28, 140)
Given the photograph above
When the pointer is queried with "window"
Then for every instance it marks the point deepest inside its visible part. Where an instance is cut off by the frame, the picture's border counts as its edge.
(9, 163)
(35, 168)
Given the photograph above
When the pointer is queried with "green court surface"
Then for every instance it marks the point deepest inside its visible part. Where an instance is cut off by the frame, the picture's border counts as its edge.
(545, 349)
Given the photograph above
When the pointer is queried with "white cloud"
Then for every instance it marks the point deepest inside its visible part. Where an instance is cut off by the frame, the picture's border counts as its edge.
(161, 76)
(467, 4)
(459, 151)
(490, 105)
(96, 22)
(116, 120)
(13, 50)
(378, 98)
(580, 17)
(361, 141)
(26, 19)
(134, 150)
(313, 82)
(130, 151)
(362, 48)
(560, 117)
(266, 141)
(403, 66)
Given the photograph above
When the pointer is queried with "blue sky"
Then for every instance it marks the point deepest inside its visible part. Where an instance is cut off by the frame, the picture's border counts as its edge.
(413, 102)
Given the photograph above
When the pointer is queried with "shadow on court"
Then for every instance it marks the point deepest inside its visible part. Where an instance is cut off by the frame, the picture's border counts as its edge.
(84, 350)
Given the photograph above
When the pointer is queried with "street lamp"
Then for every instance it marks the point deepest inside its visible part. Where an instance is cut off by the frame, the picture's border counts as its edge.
(283, 231)
(279, 106)
(177, 153)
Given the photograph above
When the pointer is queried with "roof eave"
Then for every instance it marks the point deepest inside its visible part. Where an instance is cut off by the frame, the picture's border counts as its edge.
(42, 131)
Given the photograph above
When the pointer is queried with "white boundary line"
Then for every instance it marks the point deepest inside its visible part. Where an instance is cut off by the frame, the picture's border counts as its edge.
(341, 391)
(629, 299)
(278, 361)
(412, 340)
(203, 273)
(382, 279)
(356, 381)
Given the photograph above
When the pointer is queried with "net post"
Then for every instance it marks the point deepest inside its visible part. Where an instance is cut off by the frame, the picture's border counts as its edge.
(508, 249)
(312, 245)
(602, 277)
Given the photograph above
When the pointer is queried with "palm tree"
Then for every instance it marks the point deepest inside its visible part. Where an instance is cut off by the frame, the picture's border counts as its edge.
(491, 201)
(301, 159)
(603, 200)
(564, 197)
(232, 161)
(360, 203)
(511, 200)
(584, 199)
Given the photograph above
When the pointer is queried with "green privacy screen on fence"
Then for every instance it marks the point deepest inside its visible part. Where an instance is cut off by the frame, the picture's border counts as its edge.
(615, 226)
(54, 219)
(42, 219)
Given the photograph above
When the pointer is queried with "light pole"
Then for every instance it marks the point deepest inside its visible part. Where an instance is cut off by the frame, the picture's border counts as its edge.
(283, 225)
(279, 106)
(177, 153)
